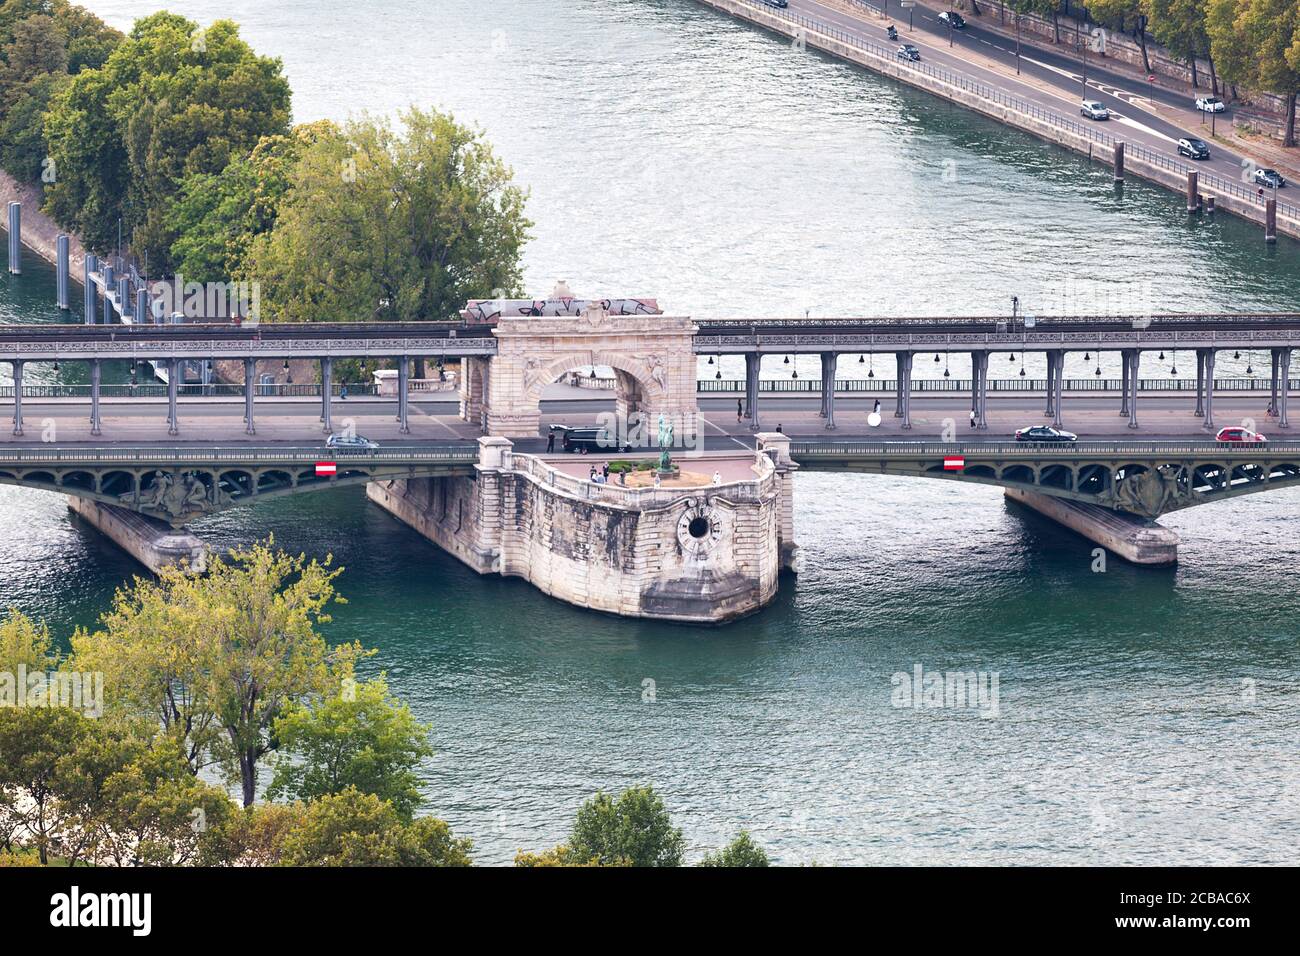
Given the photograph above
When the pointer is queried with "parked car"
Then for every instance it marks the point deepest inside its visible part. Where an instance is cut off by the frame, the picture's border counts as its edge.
(584, 440)
(1238, 433)
(1270, 178)
(1210, 104)
(1094, 110)
(777, 3)
(909, 52)
(1193, 148)
(1045, 433)
(953, 20)
(350, 443)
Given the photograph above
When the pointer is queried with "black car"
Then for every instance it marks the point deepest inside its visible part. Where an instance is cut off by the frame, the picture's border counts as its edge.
(782, 4)
(1045, 433)
(1193, 148)
(953, 20)
(909, 52)
(584, 440)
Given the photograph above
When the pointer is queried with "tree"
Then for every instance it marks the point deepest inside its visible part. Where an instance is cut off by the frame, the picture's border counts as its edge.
(635, 828)
(362, 739)
(356, 829)
(742, 851)
(217, 658)
(381, 225)
(1127, 16)
(561, 855)
(218, 215)
(171, 100)
(37, 47)
(22, 133)
(33, 741)
(1179, 25)
(1257, 44)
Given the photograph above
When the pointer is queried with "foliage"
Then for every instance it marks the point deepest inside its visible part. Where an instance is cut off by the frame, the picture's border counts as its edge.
(635, 828)
(361, 739)
(22, 132)
(356, 829)
(216, 658)
(171, 100)
(382, 225)
(561, 855)
(1257, 44)
(742, 851)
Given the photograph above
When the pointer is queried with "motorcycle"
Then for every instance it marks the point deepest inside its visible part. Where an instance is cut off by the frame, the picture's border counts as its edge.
(891, 33)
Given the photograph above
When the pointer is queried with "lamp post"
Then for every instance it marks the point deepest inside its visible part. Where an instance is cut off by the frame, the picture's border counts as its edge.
(1017, 44)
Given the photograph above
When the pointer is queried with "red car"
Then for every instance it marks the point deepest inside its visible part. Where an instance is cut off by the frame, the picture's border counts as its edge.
(1236, 433)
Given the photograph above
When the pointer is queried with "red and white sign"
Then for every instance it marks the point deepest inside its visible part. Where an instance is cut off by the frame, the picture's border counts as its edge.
(954, 463)
(325, 468)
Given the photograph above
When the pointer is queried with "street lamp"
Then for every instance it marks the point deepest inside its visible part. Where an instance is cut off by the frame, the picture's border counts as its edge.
(1017, 44)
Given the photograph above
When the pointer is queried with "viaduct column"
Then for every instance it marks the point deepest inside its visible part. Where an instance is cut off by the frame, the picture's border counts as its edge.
(753, 366)
(1200, 385)
(18, 398)
(95, 379)
(898, 386)
(1133, 361)
(1275, 359)
(1055, 384)
(1051, 381)
(1124, 375)
(1209, 387)
(326, 393)
(173, 374)
(905, 388)
(982, 412)
(1284, 395)
(403, 389)
(828, 387)
(250, 372)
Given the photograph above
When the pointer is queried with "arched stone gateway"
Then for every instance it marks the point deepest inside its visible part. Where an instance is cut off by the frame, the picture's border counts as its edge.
(652, 357)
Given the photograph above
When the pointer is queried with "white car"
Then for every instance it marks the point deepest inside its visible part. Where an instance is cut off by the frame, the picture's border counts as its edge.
(1210, 104)
(1094, 110)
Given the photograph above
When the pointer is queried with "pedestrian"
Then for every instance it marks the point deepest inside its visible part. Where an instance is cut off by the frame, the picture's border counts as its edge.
(591, 475)
(343, 392)
(717, 477)
(972, 418)
(740, 411)
(550, 441)
(1261, 193)
(605, 471)
(778, 429)
(656, 479)
(877, 406)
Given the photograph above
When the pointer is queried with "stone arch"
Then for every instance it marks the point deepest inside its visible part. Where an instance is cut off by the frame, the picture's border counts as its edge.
(652, 385)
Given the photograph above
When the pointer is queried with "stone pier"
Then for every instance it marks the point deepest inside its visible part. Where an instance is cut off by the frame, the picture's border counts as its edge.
(700, 555)
(153, 543)
(1127, 535)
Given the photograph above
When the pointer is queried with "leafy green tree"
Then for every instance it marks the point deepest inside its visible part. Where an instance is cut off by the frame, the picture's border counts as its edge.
(34, 746)
(22, 132)
(1127, 16)
(382, 225)
(1257, 44)
(561, 855)
(216, 658)
(635, 828)
(742, 851)
(38, 47)
(357, 829)
(362, 738)
(170, 101)
(25, 643)
(1179, 25)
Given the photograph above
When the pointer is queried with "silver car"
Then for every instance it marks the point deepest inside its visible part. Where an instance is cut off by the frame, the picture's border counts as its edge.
(350, 443)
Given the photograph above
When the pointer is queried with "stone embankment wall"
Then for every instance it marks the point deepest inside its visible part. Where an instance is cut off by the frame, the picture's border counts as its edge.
(40, 232)
(607, 549)
(1071, 137)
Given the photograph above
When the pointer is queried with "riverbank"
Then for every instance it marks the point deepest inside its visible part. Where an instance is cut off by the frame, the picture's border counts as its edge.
(40, 232)
(1019, 113)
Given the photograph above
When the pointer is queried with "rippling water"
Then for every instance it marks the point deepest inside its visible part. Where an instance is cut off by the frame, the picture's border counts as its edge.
(1145, 716)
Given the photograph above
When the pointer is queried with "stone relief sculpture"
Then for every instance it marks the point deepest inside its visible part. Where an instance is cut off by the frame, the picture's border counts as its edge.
(1150, 493)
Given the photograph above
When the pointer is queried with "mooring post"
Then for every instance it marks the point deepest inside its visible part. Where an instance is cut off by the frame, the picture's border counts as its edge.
(1119, 162)
(1270, 221)
(15, 238)
(88, 289)
(61, 283)
(110, 282)
(141, 304)
(1193, 196)
(123, 296)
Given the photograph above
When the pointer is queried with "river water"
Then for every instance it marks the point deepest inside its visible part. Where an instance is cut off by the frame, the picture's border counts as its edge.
(1143, 716)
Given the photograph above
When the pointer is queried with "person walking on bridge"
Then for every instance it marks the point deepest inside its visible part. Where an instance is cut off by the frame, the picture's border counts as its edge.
(740, 411)
(550, 441)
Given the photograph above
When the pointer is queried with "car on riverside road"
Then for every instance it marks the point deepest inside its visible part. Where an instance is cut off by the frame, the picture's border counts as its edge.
(581, 440)
(350, 444)
(909, 52)
(1045, 433)
(953, 20)
(1193, 148)
(1241, 435)
(1270, 178)
(1210, 104)
(779, 4)
(1094, 110)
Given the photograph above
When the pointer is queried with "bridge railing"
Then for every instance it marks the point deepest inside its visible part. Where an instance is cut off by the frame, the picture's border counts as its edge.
(1071, 450)
(888, 385)
(236, 454)
(158, 390)
(749, 490)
